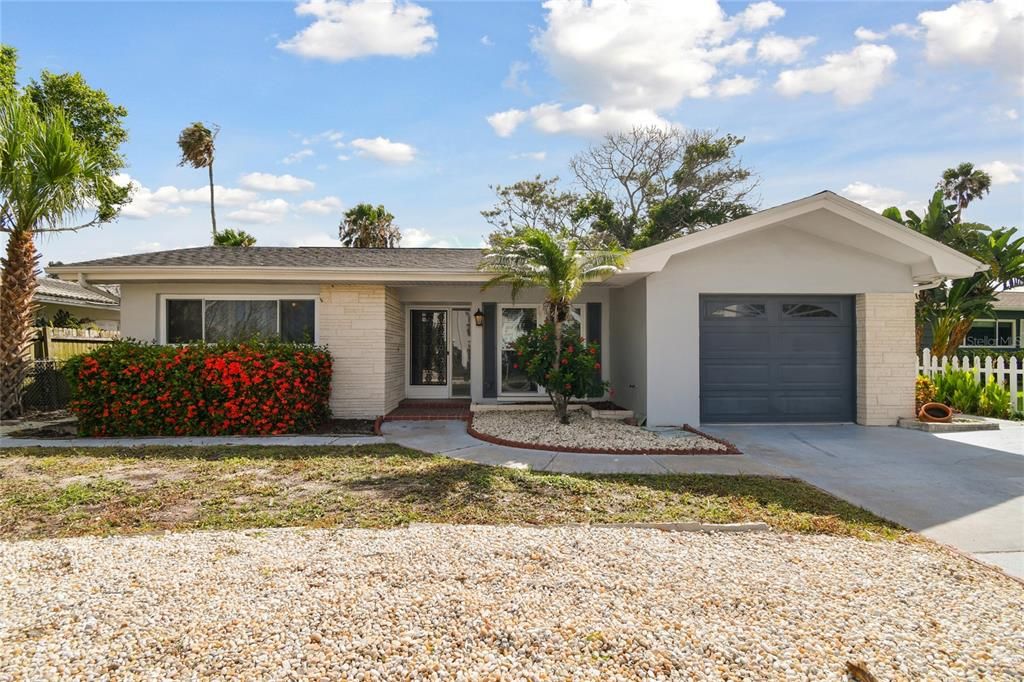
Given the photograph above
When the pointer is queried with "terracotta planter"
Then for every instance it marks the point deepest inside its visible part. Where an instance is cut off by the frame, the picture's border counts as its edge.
(935, 412)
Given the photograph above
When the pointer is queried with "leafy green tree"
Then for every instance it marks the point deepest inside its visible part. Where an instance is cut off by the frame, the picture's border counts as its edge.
(951, 308)
(537, 203)
(232, 237)
(365, 226)
(648, 185)
(196, 143)
(8, 69)
(50, 181)
(964, 184)
(533, 257)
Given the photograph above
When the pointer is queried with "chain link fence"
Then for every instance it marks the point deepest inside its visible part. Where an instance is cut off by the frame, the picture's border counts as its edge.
(45, 387)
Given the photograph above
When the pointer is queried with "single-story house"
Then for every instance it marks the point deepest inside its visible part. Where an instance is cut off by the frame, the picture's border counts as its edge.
(93, 305)
(799, 313)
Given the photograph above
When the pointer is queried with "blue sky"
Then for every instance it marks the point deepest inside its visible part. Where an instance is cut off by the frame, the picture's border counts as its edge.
(421, 106)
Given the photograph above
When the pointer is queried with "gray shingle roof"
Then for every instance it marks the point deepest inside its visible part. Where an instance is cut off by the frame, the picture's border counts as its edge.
(56, 291)
(460, 260)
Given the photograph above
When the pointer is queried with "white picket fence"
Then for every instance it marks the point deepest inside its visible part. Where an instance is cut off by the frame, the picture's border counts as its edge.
(1009, 373)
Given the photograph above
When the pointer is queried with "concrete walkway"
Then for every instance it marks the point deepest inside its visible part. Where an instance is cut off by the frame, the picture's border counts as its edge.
(964, 489)
(449, 438)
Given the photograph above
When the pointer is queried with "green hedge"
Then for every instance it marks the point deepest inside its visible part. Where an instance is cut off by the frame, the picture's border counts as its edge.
(257, 387)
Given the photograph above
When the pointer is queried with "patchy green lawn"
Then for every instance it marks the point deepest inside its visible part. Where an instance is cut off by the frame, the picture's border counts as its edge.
(60, 491)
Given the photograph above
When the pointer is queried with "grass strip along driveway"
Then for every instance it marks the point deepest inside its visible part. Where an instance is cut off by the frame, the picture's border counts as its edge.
(48, 492)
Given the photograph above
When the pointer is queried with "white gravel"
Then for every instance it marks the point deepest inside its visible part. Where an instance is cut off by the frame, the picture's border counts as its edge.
(582, 431)
(459, 602)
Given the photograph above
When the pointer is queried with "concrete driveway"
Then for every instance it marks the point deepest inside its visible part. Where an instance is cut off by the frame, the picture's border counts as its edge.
(965, 489)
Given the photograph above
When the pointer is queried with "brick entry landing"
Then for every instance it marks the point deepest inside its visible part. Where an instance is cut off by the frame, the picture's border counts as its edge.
(426, 410)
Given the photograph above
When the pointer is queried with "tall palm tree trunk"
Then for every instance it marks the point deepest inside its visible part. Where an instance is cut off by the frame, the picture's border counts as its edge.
(213, 215)
(560, 401)
(17, 286)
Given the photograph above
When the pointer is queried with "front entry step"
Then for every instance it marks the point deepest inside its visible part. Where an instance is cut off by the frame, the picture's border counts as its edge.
(426, 410)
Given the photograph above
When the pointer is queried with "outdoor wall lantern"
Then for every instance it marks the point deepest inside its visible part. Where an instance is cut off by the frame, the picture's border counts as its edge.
(478, 317)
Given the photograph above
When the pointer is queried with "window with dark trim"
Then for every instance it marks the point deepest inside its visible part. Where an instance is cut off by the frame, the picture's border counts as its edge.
(197, 319)
(809, 310)
(738, 310)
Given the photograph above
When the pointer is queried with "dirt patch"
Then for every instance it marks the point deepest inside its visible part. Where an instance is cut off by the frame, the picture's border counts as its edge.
(338, 427)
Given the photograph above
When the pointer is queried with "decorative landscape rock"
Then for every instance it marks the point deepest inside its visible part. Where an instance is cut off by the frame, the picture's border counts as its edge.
(460, 602)
(541, 428)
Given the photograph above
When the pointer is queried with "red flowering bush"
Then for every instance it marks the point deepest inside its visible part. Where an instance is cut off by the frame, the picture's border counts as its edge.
(572, 374)
(256, 387)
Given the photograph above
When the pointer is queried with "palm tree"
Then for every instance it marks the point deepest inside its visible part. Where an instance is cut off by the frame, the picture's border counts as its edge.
(49, 182)
(369, 227)
(197, 150)
(963, 185)
(536, 258)
(231, 237)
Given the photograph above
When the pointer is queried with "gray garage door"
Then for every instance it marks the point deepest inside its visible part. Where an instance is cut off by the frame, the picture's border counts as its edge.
(777, 359)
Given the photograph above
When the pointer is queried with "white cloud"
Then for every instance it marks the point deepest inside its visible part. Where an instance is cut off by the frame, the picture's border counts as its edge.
(414, 238)
(1011, 114)
(295, 157)
(321, 206)
(759, 14)
(361, 28)
(532, 156)
(979, 33)
(227, 196)
(782, 50)
(147, 203)
(866, 34)
(267, 182)
(737, 85)
(514, 80)
(870, 36)
(1003, 172)
(878, 198)
(267, 211)
(506, 122)
(589, 120)
(486, 41)
(643, 55)
(852, 77)
(328, 135)
(383, 149)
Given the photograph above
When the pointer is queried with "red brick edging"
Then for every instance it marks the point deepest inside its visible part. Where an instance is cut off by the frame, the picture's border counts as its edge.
(730, 448)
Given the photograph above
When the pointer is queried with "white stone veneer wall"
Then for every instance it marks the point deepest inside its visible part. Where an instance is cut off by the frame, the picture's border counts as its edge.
(886, 359)
(352, 325)
(394, 350)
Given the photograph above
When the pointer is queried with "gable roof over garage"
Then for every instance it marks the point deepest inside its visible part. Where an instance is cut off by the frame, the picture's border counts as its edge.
(828, 216)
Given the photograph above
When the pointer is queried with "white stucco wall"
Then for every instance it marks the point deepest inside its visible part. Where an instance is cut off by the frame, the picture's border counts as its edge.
(628, 322)
(775, 260)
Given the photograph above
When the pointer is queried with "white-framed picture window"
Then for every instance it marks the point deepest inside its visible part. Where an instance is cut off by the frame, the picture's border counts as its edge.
(513, 322)
(991, 334)
(188, 319)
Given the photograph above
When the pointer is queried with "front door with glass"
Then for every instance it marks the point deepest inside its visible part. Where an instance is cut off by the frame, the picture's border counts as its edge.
(438, 358)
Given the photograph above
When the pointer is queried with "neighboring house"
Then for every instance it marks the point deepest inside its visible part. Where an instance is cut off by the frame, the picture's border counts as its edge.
(1006, 330)
(95, 306)
(802, 312)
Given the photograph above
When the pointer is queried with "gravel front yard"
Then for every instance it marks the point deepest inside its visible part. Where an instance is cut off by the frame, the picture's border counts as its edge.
(540, 427)
(509, 602)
